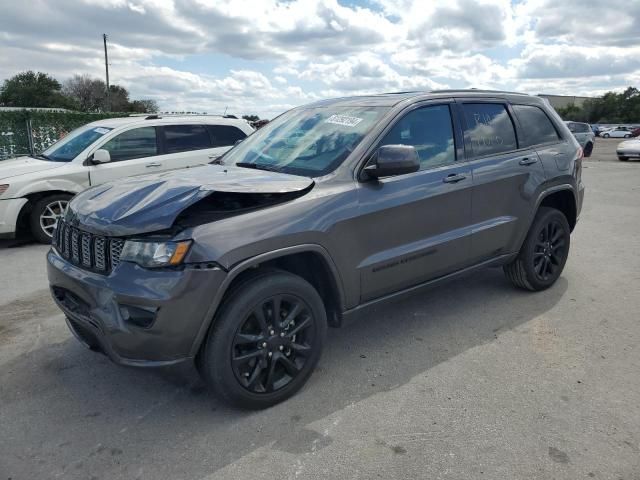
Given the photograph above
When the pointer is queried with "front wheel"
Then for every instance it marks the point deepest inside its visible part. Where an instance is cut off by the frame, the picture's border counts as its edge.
(45, 214)
(606, 135)
(265, 342)
(627, 135)
(544, 252)
(622, 159)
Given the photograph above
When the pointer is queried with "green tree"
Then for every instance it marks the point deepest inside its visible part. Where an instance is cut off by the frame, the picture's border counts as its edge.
(118, 98)
(33, 89)
(251, 118)
(143, 106)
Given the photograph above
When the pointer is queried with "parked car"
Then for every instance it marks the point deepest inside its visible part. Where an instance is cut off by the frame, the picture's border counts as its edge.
(34, 191)
(628, 149)
(584, 135)
(326, 211)
(635, 132)
(616, 132)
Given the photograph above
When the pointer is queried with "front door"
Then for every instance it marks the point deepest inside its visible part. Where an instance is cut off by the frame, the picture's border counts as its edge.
(413, 228)
(133, 152)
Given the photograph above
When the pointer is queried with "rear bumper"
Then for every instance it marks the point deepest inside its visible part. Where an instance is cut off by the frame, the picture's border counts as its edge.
(136, 316)
(9, 212)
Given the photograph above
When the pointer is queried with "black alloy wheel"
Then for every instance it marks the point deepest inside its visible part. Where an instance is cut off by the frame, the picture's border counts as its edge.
(544, 252)
(265, 341)
(273, 343)
(549, 254)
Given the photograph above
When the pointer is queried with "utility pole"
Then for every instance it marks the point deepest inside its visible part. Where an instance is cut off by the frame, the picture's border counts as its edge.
(106, 67)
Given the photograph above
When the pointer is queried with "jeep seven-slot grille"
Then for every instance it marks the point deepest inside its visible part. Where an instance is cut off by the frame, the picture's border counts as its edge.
(93, 252)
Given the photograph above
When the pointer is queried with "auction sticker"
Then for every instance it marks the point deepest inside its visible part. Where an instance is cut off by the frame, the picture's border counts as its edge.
(101, 130)
(343, 120)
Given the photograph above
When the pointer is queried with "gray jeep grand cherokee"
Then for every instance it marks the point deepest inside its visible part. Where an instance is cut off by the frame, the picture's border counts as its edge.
(329, 209)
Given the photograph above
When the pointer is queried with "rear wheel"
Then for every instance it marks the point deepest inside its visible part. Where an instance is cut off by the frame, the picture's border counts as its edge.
(627, 135)
(605, 135)
(265, 342)
(544, 252)
(45, 214)
(588, 149)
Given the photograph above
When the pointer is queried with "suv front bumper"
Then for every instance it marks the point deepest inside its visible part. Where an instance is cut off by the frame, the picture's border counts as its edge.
(9, 212)
(136, 316)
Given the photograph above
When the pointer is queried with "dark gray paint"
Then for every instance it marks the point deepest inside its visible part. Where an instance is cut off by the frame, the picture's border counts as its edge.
(379, 238)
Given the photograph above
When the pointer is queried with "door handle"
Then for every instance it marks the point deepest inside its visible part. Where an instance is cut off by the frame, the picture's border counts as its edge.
(154, 164)
(454, 178)
(528, 161)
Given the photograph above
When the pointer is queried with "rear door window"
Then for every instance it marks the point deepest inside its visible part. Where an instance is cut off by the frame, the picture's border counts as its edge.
(184, 138)
(489, 128)
(225, 135)
(537, 129)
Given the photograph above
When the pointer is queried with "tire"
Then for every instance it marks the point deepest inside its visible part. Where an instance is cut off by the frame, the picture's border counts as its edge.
(273, 359)
(42, 220)
(606, 135)
(588, 149)
(627, 136)
(539, 263)
(623, 159)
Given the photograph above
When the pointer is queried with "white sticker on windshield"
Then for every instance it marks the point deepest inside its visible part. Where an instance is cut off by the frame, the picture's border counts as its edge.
(343, 120)
(101, 130)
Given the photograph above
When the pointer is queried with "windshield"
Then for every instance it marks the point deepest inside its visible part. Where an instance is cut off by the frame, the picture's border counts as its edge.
(309, 142)
(69, 146)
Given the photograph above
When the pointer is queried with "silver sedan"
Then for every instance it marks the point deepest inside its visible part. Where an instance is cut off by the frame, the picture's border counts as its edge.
(628, 149)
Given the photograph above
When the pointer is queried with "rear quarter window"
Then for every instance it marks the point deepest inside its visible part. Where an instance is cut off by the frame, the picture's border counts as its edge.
(537, 129)
(489, 128)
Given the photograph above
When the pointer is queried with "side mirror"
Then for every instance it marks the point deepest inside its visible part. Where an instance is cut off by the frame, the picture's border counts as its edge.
(101, 156)
(390, 160)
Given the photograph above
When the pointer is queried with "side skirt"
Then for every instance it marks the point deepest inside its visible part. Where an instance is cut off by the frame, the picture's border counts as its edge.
(353, 314)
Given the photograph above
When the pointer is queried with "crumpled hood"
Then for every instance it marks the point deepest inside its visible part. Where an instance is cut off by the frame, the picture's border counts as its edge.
(151, 203)
(23, 165)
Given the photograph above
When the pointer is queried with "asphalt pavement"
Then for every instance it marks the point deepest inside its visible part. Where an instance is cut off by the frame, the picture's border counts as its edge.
(470, 380)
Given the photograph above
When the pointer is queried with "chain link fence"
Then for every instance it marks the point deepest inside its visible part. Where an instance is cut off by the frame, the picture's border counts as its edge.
(28, 132)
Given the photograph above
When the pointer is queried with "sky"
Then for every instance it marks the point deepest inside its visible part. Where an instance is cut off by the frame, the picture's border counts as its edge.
(264, 57)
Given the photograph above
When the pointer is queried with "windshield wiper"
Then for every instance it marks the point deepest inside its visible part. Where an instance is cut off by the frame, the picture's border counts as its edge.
(257, 166)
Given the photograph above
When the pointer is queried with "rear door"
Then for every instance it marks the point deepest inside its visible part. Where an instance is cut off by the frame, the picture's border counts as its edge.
(185, 145)
(415, 227)
(506, 175)
(133, 152)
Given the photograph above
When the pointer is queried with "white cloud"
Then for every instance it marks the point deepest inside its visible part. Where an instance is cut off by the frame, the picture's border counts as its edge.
(292, 52)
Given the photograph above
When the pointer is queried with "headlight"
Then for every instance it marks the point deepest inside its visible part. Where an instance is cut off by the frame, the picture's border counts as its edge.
(154, 254)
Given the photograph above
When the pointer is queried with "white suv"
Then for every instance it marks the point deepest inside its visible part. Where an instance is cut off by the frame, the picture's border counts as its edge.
(35, 190)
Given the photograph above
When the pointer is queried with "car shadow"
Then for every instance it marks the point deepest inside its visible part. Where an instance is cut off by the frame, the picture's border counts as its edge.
(81, 401)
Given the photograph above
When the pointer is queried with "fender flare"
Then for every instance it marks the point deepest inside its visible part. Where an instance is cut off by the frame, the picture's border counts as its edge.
(544, 194)
(243, 266)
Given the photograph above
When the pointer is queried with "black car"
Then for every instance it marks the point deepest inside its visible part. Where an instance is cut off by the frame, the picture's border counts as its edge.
(326, 211)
